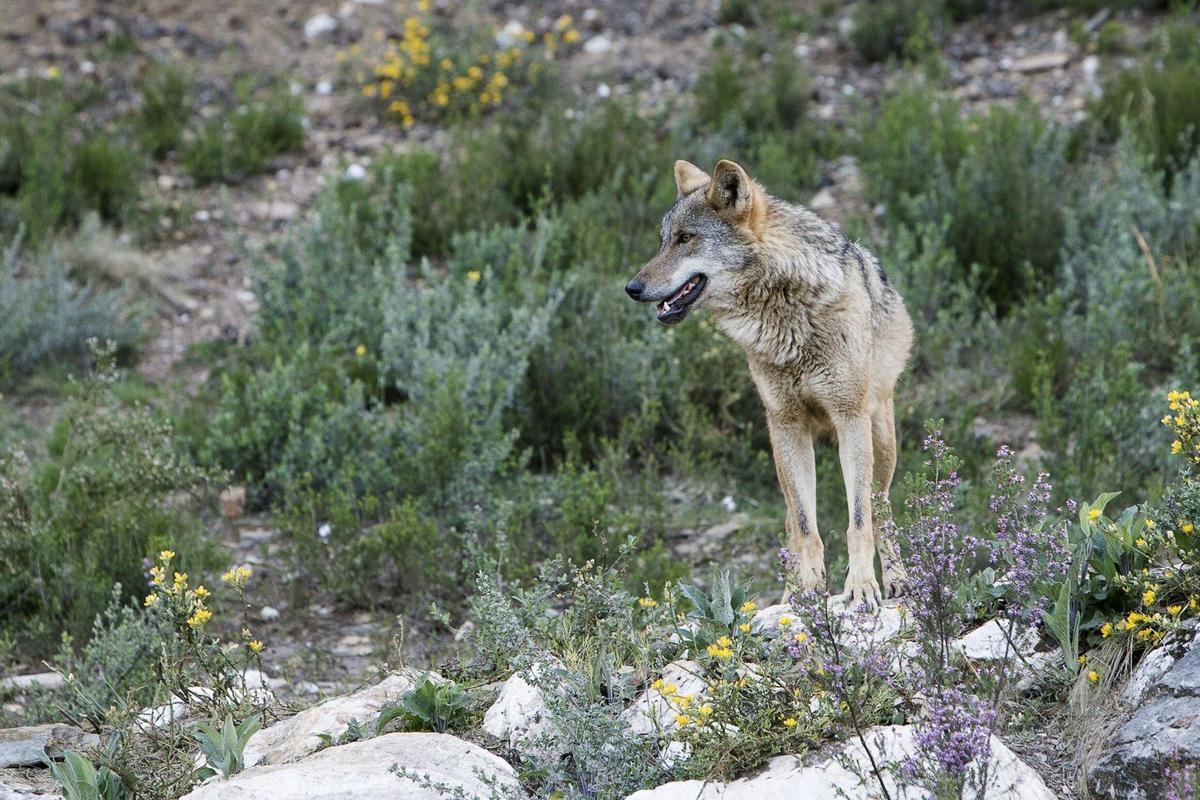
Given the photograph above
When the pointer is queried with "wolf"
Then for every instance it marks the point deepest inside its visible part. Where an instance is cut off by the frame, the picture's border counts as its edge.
(826, 336)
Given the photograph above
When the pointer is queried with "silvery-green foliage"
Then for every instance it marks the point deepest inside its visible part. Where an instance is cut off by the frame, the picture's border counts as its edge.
(45, 316)
(457, 349)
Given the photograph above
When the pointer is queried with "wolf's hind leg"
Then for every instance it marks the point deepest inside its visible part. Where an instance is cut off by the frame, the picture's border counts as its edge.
(795, 464)
(883, 440)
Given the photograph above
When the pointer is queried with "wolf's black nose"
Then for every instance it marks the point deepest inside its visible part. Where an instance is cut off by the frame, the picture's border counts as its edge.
(634, 289)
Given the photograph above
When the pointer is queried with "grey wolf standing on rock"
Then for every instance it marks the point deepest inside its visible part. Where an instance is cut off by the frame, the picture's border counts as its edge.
(825, 333)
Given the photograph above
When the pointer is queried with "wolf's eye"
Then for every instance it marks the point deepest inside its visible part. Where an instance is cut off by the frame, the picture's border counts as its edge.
(684, 237)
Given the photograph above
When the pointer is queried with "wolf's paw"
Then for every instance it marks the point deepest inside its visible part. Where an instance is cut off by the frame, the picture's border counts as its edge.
(804, 582)
(894, 580)
(862, 591)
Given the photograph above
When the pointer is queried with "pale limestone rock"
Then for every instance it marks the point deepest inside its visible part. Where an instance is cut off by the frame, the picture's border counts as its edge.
(363, 771)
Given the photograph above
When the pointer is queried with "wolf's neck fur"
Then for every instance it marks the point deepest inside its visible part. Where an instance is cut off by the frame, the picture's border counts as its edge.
(793, 274)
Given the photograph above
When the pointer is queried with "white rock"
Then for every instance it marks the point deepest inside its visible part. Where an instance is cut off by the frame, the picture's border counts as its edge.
(269, 614)
(604, 91)
(296, 737)
(46, 680)
(324, 88)
(728, 503)
(598, 44)
(862, 629)
(319, 25)
(822, 200)
(25, 786)
(787, 778)
(652, 713)
(30, 746)
(520, 715)
(1149, 670)
(989, 642)
(510, 35)
(363, 771)
(354, 172)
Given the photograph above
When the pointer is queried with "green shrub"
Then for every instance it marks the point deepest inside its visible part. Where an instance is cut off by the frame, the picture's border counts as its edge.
(240, 141)
(83, 519)
(48, 318)
(895, 29)
(166, 107)
(997, 183)
(53, 169)
(915, 137)
(1158, 100)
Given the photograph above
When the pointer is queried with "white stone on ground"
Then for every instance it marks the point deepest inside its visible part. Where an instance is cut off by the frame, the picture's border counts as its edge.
(652, 712)
(30, 746)
(989, 642)
(520, 716)
(296, 737)
(788, 778)
(363, 771)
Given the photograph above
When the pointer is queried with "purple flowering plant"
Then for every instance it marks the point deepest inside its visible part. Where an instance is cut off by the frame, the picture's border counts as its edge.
(954, 707)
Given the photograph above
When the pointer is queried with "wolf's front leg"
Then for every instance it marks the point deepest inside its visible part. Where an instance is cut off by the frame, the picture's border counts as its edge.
(795, 465)
(855, 453)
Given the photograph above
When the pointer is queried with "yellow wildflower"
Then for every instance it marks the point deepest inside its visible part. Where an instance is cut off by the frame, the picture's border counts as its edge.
(1141, 543)
(256, 646)
(571, 36)
(725, 641)
(563, 22)
(1149, 596)
(785, 621)
(748, 607)
(744, 627)
(473, 276)
(790, 722)
(705, 710)
(527, 35)
(1106, 629)
(683, 719)
(1150, 524)
(166, 555)
(1176, 446)
(201, 592)
(1093, 676)
(422, 5)
(1187, 527)
(1175, 610)
(658, 684)
(360, 351)
(1094, 514)
(53, 72)
(1082, 660)
(201, 616)
(151, 599)
(670, 689)
(644, 602)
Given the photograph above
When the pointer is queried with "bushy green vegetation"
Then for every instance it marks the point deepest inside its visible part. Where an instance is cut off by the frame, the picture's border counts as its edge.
(108, 491)
(241, 140)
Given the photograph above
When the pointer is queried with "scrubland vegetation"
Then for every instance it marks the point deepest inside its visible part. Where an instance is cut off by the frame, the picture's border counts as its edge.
(446, 388)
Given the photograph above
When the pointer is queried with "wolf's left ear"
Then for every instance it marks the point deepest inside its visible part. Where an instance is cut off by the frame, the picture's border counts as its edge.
(688, 178)
(732, 194)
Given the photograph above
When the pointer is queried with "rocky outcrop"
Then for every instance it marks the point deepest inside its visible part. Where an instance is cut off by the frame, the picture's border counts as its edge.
(1163, 730)
(841, 776)
(28, 785)
(31, 746)
(443, 766)
(298, 736)
(520, 716)
(652, 712)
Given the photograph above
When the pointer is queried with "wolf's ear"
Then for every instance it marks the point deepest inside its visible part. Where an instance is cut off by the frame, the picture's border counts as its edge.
(688, 178)
(732, 194)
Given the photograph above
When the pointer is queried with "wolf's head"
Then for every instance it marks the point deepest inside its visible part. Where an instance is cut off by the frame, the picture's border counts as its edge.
(708, 240)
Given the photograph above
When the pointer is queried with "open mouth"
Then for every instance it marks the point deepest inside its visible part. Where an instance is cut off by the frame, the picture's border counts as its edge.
(676, 307)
